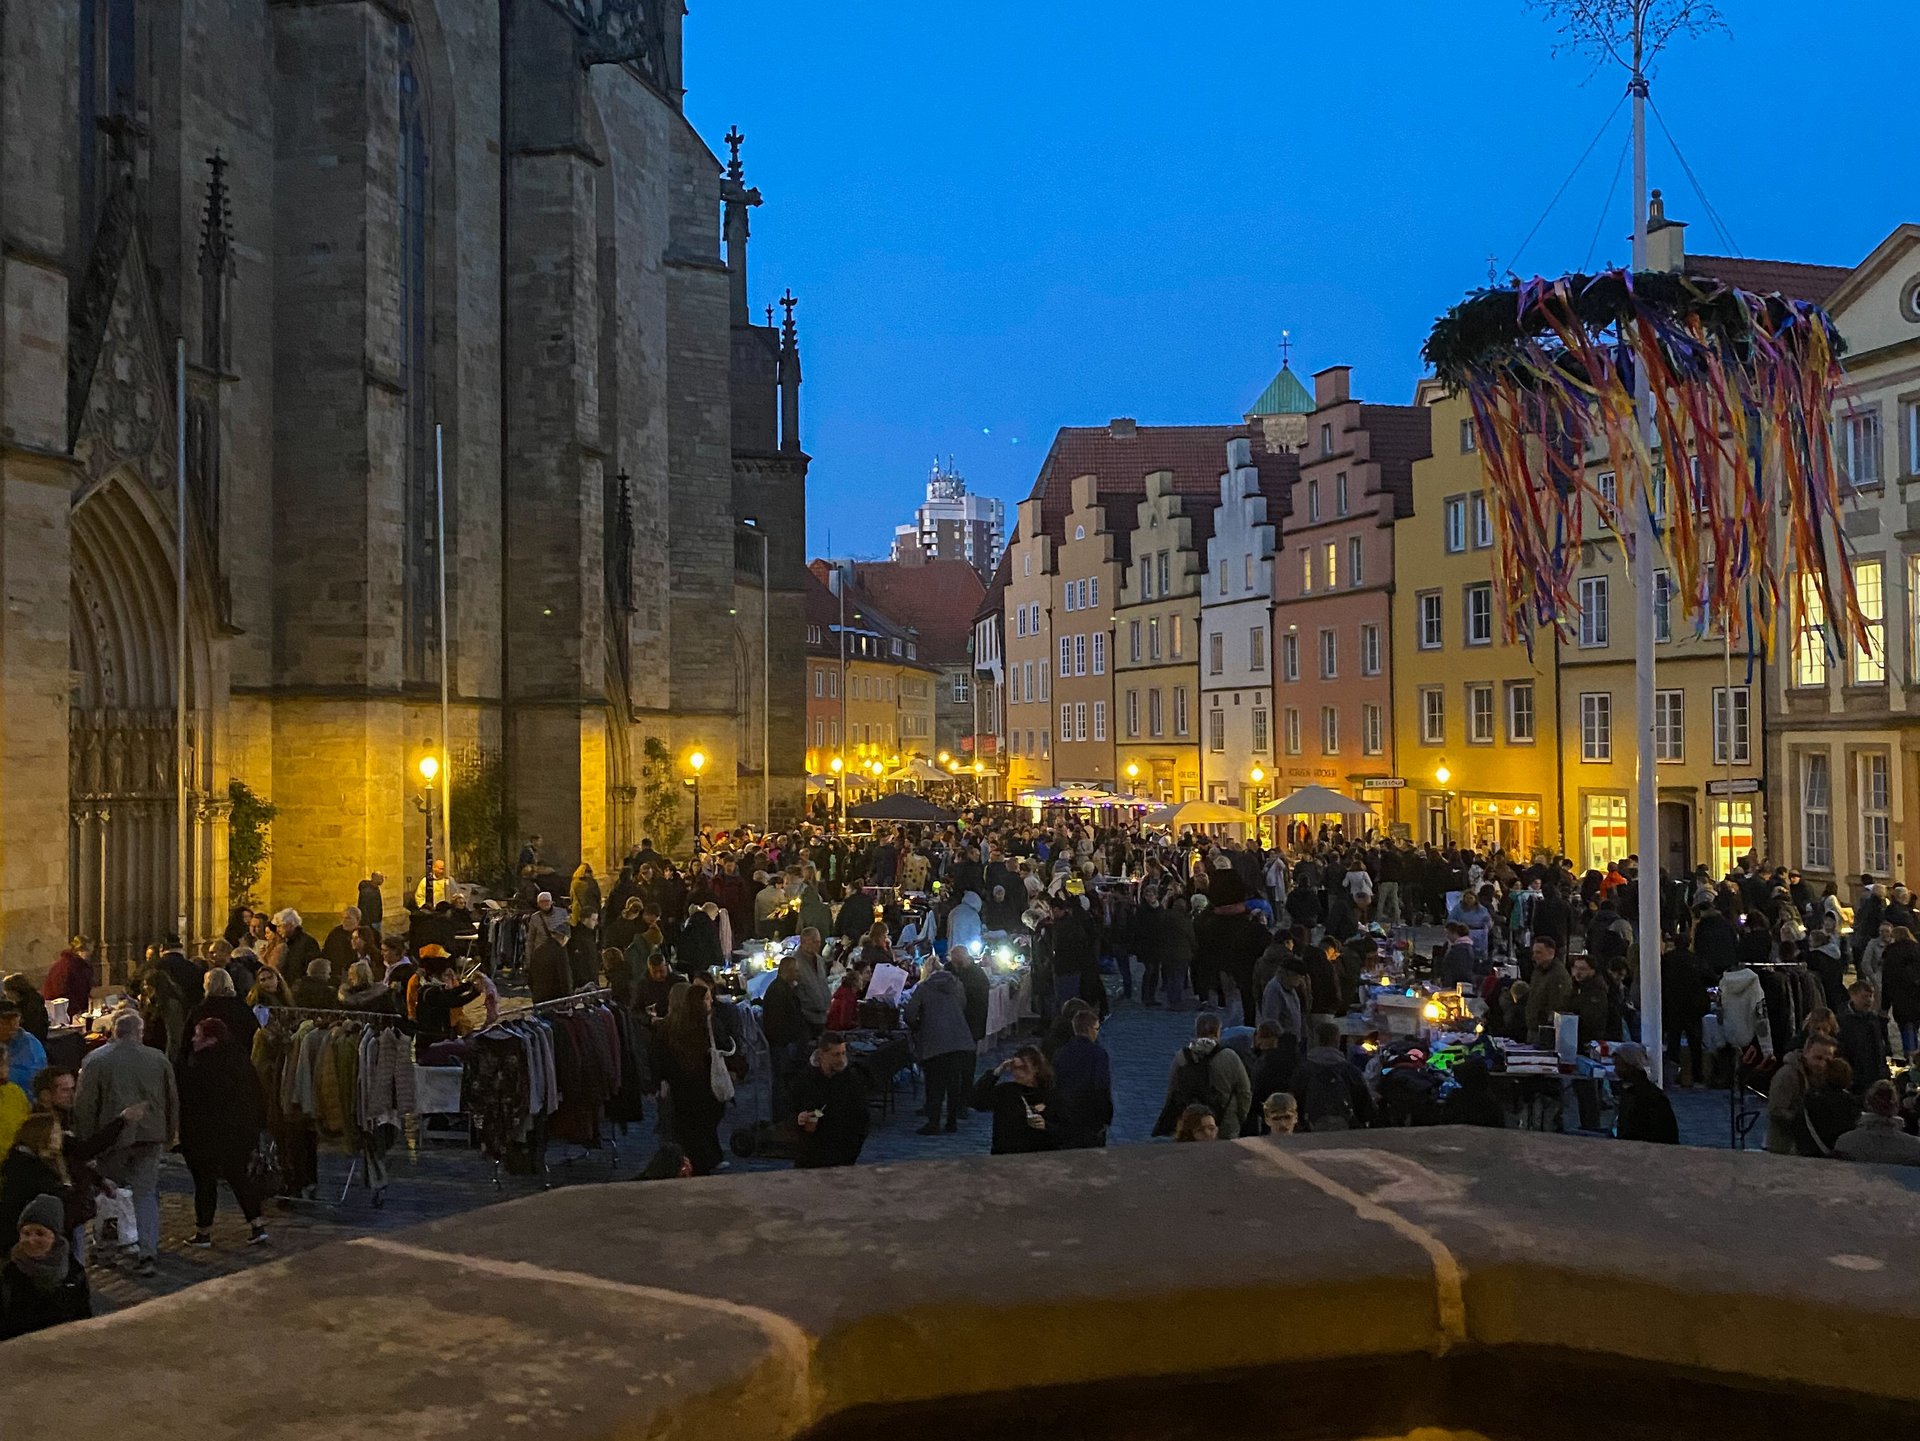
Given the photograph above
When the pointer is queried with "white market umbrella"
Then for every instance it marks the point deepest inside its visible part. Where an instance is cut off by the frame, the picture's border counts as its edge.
(1197, 813)
(919, 769)
(1317, 801)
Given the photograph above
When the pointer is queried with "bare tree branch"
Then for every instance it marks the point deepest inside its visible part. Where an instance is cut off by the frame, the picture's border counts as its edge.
(1630, 33)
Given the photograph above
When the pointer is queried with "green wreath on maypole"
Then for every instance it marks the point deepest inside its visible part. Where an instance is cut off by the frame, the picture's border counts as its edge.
(1743, 384)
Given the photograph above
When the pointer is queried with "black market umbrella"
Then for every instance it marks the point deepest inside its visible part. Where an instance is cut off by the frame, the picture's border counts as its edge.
(902, 807)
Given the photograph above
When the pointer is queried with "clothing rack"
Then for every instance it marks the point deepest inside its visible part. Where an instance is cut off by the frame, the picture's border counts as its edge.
(372, 1018)
(593, 996)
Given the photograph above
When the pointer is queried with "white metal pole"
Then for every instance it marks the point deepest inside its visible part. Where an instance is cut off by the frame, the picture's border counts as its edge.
(446, 640)
(180, 636)
(1645, 550)
(766, 684)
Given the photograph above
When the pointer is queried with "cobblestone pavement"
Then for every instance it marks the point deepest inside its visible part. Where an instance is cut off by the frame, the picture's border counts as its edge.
(440, 1176)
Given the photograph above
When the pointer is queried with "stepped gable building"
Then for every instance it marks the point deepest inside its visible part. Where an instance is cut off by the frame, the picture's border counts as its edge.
(383, 231)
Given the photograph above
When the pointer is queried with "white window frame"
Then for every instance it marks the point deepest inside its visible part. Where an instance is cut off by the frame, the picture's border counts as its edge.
(1331, 557)
(1066, 656)
(1453, 513)
(1595, 624)
(1290, 656)
(1662, 606)
(1869, 662)
(1217, 732)
(1517, 733)
(1099, 720)
(1431, 607)
(1329, 653)
(1670, 726)
(1816, 811)
(1372, 730)
(1306, 570)
(1596, 727)
(1742, 726)
(1479, 626)
(1133, 641)
(1156, 714)
(1469, 442)
(1079, 720)
(1262, 740)
(1329, 730)
(1874, 772)
(1080, 655)
(1433, 716)
(1313, 501)
(1099, 652)
(1861, 446)
(1290, 729)
(1482, 523)
(1180, 717)
(1216, 653)
(1482, 721)
(1356, 563)
(1066, 721)
(1340, 492)
(1810, 637)
(1256, 649)
(1370, 649)
(1133, 714)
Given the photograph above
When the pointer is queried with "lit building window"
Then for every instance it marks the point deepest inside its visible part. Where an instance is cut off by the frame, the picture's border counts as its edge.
(1810, 636)
(1870, 659)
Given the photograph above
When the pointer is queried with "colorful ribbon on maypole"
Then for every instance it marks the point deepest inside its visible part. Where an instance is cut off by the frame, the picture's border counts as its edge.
(1741, 386)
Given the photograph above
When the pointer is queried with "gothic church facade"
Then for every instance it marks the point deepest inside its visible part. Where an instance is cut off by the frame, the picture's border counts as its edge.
(396, 238)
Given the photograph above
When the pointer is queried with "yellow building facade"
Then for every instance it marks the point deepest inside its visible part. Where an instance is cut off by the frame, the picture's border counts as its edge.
(1156, 682)
(1474, 716)
(1085, 583)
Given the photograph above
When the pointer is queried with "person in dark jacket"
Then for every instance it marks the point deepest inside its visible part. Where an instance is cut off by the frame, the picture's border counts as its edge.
(369, 900)
(1460, 960)
(974, 981)
(699, 946)
(71, 976)
(298, 948)
(1082, 1086)
(549, 971)
(314, 990)
(1472, 1101)
(43, 1283)
(433, 1014)
(338, 946)
(1333, 1095)
(1716, 946)
(1019, 1093)
(789, 1037)
(1685, 1003)
(1645, 1112)
(222, 1113)
(1276, 1054)
(34, 1165)
(830, 1099)
(33, 1009)
(1863, 1037)
(221, 1004)
(936, 1018)
(1900, 986)
(1324, 1001)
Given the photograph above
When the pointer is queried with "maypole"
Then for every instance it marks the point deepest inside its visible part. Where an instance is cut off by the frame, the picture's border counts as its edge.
(1711, 406)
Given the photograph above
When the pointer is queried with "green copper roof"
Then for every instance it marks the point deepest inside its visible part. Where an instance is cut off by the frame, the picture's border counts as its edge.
(1285, 396)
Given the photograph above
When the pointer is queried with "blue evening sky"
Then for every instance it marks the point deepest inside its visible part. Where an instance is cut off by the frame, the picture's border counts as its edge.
(1006, 216)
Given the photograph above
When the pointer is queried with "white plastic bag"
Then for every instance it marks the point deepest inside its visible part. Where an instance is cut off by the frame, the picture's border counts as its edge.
(113, 1222)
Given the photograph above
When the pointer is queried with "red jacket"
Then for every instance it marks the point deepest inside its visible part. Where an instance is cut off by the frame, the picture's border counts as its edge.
(72, 977)
(844, 1013)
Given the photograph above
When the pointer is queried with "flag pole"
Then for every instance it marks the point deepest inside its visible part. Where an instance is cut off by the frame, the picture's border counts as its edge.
(183, 887)
(440, 551)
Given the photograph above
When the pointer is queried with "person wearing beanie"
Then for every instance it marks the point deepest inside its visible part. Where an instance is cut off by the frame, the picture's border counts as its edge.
(1645, 1112)
(43, 1283)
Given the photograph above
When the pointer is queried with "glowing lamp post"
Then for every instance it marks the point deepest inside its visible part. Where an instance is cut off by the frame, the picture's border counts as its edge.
(696, 762)
(429, 768)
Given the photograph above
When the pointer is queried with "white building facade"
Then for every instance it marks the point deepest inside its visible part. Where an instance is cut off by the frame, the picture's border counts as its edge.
(1238, 723)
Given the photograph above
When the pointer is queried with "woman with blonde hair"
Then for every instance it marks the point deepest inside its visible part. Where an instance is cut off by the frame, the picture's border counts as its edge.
(221, 1004)
(269, 994)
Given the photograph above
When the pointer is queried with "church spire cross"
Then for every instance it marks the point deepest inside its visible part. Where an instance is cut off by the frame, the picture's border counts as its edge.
(787, 302)
(735, 140)
(1286, 348)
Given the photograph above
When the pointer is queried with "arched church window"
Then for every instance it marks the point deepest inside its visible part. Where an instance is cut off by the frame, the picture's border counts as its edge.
(420, 601)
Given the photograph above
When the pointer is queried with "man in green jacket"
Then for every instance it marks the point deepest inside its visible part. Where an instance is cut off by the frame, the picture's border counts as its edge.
(1551, 988)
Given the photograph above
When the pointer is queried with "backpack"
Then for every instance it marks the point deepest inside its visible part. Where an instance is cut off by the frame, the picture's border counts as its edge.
(1326, 1103)
(1193, 1081)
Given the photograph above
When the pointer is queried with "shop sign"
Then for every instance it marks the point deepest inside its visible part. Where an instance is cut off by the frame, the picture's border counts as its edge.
(1738, 786)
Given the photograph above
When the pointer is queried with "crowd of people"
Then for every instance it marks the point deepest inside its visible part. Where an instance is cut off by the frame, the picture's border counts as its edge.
(1268, 947)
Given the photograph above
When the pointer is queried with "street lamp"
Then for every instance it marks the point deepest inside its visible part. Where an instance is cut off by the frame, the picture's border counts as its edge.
(429, 768)
(697, 762)
(945, 757)
(1443, 776)
(1258, 777)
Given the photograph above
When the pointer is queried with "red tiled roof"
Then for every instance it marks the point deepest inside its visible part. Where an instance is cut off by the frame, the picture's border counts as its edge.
(937, 598)
(1196, 454)
(1400, 435)
(1763, 277)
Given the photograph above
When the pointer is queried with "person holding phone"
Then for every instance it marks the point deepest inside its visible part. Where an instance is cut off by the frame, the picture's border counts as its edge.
(830, 1098)
(1018, 1093)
